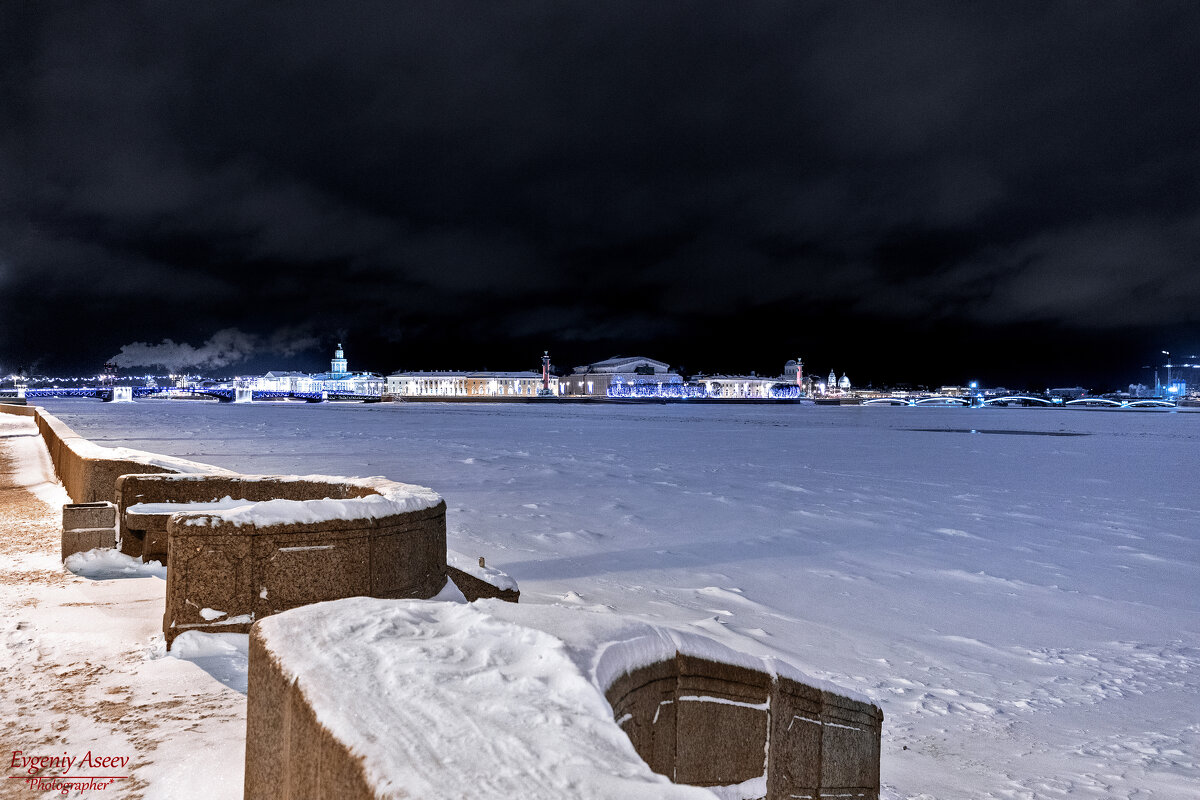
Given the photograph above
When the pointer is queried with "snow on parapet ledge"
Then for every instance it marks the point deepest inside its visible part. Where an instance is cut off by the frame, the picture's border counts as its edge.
(86, 448)
(505, 704)
(180, 465)
(513, 696)
(390, 498)
(489, 575)
(610, 646)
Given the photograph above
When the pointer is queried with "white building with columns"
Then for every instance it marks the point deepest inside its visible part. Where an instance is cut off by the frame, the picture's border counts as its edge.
(593, 380)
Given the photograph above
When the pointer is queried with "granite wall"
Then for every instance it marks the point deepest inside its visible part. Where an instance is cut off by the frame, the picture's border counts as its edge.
(707, 723)
(89, 472)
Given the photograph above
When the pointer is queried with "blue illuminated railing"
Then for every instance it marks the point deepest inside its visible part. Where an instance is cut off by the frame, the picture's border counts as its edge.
(693, 391)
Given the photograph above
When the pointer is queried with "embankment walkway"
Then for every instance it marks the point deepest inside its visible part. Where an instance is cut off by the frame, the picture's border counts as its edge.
(82, 662)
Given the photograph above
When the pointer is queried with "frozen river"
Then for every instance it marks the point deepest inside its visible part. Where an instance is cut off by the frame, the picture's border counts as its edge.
(1018, 588)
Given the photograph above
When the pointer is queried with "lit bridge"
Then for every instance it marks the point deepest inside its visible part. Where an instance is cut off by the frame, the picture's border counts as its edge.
(932, 400)
(221, 395)
(102, 393)
(1019, 399)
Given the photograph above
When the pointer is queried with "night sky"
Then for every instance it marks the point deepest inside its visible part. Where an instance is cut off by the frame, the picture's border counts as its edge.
(918, 192)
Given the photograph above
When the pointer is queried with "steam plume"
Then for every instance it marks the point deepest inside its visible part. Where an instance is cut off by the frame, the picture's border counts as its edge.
(224, 348)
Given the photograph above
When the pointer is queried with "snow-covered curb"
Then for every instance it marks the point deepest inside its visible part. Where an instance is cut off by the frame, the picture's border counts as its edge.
(89, 471)
(380, 498)
(490, 575)
(482, 700)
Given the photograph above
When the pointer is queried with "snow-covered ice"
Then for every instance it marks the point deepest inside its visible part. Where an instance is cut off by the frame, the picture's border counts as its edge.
(1023, 607)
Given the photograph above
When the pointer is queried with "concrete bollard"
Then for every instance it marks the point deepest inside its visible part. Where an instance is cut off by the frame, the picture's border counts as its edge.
(87, 526)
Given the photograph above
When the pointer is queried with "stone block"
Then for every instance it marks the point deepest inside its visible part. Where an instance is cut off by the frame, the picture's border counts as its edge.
(89, 515)
(643, 703)
(850, 745)
(249, 572)
(796, 737)
(87, 526)
(290, 755)
(475, 588)
(722, 722)
(695, 720)
(709, 723)
(80, 540)
(301, 569)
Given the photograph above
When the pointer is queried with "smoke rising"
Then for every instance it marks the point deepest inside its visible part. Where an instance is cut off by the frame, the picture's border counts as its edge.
(224, 348)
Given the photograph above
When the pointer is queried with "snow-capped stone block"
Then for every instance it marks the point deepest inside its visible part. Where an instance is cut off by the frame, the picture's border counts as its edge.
(492, 699)
(478, 581)
(89, 515)
(253, 545)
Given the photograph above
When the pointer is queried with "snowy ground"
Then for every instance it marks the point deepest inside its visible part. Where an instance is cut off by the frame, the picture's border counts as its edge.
(83, 665)
(1024, 607)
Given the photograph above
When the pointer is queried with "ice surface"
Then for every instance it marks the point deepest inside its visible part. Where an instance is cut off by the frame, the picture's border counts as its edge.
(1023, 607)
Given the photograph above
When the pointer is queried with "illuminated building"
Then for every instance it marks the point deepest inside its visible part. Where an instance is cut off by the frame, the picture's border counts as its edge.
(738, 386)
(339, 380)
(468, 384)
(593, 380)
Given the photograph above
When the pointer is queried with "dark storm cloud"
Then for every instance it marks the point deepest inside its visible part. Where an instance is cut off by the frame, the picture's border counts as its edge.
(501, 178)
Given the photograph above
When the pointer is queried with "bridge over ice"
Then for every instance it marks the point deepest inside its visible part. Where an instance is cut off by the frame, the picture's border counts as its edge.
(223, 395)
(1019, 400)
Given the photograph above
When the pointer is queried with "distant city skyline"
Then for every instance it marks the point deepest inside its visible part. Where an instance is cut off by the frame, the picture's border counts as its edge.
(1175, 376)
(1004, 192)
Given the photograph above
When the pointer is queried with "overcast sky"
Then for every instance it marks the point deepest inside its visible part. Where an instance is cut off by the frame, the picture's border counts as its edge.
(930, 192)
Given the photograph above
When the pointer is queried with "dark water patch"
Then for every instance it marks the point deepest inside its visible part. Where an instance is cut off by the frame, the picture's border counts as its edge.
(997, 432)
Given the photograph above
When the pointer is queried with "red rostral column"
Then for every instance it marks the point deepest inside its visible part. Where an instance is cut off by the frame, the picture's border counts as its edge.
(800, 372)
(545, 370)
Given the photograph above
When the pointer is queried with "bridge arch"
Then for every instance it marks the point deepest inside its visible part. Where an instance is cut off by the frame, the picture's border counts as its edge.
(1015, 398)
(942, 401)
(1094, 401)
(1149, 404)
(887, 401)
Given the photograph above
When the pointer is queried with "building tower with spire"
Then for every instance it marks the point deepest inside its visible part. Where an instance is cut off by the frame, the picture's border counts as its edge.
(338, 365)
